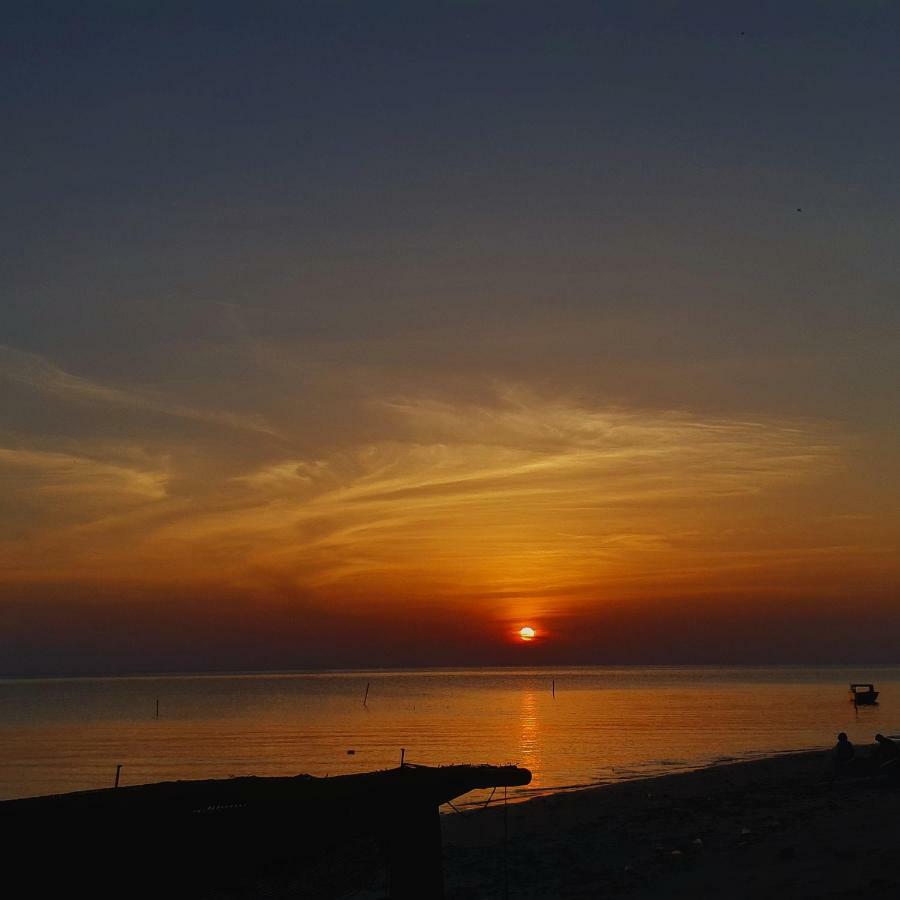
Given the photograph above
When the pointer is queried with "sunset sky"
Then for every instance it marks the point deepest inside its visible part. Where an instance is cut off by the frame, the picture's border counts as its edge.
(349, 333)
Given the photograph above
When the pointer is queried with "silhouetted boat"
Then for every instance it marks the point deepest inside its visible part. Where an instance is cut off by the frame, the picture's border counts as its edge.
(863, 694)
(202, 839)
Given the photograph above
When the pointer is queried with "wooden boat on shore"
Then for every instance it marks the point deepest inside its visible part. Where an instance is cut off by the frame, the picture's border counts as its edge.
(212, 839)
(863, 694)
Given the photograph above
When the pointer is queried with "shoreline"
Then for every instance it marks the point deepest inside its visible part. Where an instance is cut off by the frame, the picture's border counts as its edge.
(773, 827)
(526, 795)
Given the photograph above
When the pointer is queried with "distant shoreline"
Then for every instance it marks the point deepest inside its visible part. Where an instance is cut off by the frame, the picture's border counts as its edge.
(863, 667)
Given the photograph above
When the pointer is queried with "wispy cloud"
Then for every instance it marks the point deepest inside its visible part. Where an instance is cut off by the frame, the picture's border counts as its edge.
(520, 498)
(42, 375)
(67, 475)
(521, 491)
(67, 513)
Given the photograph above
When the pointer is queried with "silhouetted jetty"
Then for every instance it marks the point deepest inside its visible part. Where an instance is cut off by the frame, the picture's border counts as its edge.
(200, 838)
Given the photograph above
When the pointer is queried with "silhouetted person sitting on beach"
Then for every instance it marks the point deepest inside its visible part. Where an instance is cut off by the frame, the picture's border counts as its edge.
(842, 755)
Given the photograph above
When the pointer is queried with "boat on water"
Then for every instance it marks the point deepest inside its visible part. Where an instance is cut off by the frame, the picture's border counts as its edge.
(230, 838)
(863, 694)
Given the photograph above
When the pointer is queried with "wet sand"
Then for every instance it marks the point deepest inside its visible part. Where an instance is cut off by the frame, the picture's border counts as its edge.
(770, 828)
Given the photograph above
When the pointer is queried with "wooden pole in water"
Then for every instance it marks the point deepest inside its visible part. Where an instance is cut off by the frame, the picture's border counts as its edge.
(367, 693)
(118, 769)
(402, 754)
(157, 709)
(554, 688)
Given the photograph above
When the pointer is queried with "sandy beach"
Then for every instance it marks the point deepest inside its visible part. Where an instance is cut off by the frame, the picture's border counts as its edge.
(770, 828)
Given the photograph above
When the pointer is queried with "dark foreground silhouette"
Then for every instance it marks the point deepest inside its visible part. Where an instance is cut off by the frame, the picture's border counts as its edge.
(789, 827)
(224, 838)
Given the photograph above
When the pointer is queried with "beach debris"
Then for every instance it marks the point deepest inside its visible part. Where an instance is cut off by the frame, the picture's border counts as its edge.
(351, 753)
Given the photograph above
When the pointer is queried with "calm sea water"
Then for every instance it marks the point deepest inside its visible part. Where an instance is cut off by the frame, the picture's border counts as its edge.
(603, 725)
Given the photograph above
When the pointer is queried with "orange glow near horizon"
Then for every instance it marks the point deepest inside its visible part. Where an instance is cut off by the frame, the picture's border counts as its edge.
(465, 501)
(515, 507)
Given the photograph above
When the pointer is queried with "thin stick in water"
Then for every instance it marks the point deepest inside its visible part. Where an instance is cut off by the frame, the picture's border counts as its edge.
(367, 693)
(118, 769)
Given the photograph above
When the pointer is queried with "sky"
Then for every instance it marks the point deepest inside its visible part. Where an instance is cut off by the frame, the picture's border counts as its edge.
(364, 334)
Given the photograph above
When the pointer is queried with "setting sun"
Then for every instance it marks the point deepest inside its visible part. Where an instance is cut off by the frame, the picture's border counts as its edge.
(527, 633)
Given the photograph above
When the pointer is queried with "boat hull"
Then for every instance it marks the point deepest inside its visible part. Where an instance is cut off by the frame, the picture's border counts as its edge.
(870, 698)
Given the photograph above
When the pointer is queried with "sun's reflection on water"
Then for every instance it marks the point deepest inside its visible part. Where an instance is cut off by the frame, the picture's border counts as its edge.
(530, 736)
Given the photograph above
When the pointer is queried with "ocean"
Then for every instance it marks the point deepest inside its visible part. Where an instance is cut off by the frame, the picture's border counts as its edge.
(604, 724)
